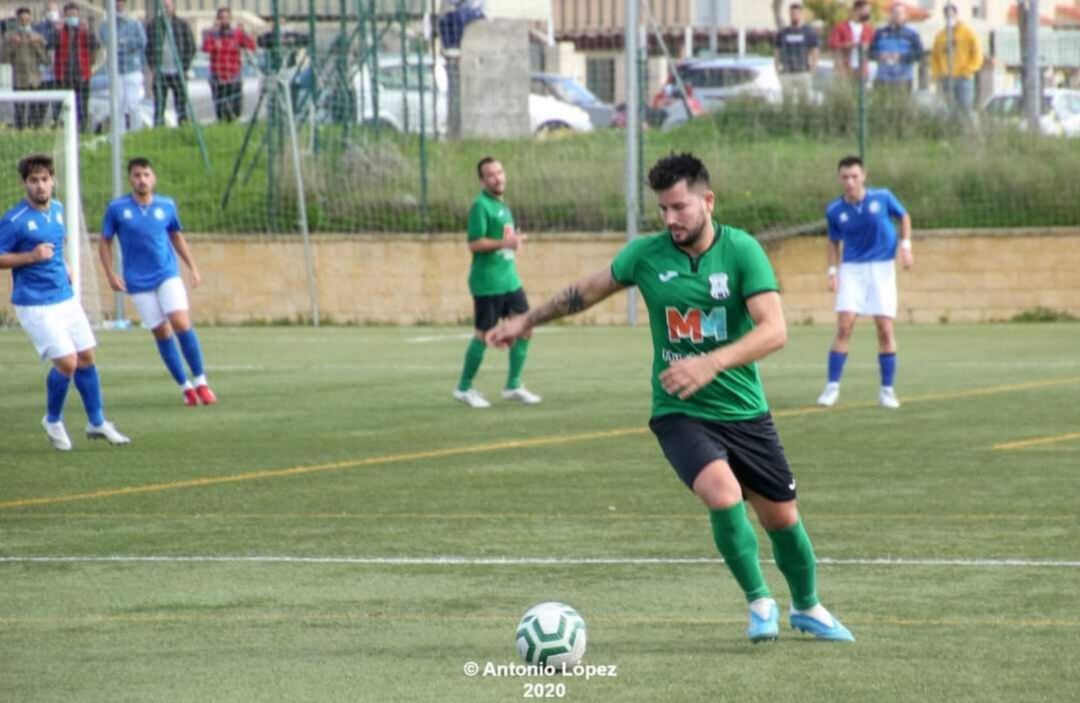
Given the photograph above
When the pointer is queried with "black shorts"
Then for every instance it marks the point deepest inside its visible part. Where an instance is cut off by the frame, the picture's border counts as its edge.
(752, 448)
(489, 309)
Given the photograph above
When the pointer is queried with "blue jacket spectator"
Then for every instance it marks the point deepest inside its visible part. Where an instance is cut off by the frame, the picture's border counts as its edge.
(897, 49)
(130, 40)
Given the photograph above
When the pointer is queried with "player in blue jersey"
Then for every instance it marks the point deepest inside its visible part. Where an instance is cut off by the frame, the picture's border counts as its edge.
(32, 246)
(149, 230)
(861, 227)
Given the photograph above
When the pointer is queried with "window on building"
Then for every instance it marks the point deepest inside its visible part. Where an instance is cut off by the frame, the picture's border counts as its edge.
(600, 78)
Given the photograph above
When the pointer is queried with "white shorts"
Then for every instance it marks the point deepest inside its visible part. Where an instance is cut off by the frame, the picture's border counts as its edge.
(867, 288)
(56, 330)
(154, 306)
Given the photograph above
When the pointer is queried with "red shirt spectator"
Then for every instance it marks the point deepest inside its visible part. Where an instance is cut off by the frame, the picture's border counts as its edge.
(223, 44)
(843, 41)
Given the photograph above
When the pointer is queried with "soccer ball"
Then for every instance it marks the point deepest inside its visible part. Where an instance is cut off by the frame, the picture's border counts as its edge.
(551, 634)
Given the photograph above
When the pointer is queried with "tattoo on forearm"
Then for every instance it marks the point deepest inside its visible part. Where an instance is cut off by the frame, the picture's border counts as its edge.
(572, 300)
(566, 302)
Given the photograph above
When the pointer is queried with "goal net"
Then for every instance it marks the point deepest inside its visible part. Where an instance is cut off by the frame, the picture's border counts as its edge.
(45, 122)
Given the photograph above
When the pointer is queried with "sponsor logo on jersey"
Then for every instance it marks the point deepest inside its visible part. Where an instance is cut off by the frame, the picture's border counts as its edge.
(718, 287)
(695, 325)
(127, 214)
(31, 226)
(667, 276)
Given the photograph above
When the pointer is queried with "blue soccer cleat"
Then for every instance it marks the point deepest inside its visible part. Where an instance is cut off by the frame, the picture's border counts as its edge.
(834, 633)
(765, 629)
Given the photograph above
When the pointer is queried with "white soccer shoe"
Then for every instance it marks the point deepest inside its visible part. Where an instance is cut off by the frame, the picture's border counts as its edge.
(106, 431)
(472, 398)
(887, 398)
(522, 394)
(58, 436)
(830, 395)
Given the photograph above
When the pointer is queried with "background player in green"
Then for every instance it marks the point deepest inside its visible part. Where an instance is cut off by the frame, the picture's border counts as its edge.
(494, 284)
(714, 310)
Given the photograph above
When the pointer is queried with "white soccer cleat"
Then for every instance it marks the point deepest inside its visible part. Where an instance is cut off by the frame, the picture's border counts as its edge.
(106, 431)
(522, 394)
(472, 398)
(887, 398)
(830, 395)
(58, 436)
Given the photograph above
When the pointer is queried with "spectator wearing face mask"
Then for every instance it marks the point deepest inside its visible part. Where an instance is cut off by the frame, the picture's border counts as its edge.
(73, 59)
(25, 50)
(130, 48)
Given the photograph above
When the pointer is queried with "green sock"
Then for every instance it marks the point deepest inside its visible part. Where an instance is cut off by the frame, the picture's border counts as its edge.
(738, 545)
(517, 363)
(474, 356)
(794, 557)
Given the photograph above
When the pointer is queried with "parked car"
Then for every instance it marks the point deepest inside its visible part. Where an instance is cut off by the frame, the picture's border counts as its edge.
(198, 85)
(570, 91)
(722, 78)
(546, 114)
(1059, 113)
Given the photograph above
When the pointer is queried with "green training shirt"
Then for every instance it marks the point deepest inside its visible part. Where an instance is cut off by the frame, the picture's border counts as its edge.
(492, 272)
(696, 306)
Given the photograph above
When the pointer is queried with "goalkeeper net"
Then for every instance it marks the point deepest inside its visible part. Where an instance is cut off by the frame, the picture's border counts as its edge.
(50, 128)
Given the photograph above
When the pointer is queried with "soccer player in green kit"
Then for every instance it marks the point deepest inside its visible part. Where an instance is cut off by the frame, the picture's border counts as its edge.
(494, 284)
(714, 310)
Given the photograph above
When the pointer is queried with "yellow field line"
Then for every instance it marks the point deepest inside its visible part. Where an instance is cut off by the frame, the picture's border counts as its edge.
(1036, 441)
(472, 449)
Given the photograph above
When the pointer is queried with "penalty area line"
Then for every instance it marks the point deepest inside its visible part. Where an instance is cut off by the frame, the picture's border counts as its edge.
(450, 560)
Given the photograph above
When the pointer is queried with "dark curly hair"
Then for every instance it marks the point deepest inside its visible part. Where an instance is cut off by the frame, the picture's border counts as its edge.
(677, 167)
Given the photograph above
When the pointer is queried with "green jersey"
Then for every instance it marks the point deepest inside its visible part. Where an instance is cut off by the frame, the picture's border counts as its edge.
(492, 272)
(696, 306)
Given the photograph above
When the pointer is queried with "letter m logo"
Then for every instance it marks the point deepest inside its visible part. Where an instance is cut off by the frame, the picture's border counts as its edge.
(695, 325)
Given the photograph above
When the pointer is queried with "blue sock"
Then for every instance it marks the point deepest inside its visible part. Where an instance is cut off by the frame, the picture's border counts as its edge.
(836, 365)
(56, 388)
(887, 363)
(89, 386)
(189, 344)
(170, 354)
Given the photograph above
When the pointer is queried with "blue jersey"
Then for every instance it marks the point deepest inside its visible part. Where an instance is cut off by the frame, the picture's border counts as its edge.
(866, 228)
(21, 230)
(144, 231)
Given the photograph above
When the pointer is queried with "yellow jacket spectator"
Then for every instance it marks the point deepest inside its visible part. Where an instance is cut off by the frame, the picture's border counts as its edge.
(967, 55)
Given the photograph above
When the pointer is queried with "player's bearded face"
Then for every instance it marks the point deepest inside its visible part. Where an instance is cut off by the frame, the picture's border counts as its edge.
(39, 187)
(494, 178)
(142, 180)
(686, 213)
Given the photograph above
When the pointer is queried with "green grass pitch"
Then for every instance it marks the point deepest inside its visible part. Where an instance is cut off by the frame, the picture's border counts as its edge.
(338, 529)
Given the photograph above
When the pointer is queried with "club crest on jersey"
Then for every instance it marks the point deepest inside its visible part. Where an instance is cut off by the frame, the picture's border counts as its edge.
(159, 214)
(843, 217)
(60, 218)
(718, 287)
(875, 207)
(127, 214)
(696, 325)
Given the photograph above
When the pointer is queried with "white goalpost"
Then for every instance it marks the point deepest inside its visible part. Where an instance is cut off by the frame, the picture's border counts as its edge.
(71, 195)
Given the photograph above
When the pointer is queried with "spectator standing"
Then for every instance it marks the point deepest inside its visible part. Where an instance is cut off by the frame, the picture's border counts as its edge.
(167, 61)
(796, 55)
(846, 37)
(130, 49)
(954, 60)
(25, 50)
(897, 49)
(76, 46)
(49, 29)
(224, 44)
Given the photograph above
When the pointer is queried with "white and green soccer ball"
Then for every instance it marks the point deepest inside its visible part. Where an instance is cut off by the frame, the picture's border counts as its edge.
(551, 634)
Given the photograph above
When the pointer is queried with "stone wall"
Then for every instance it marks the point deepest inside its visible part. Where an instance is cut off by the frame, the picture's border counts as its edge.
(409, 279)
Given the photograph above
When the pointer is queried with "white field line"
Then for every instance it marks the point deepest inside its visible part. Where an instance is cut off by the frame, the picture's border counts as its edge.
(524, 561)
